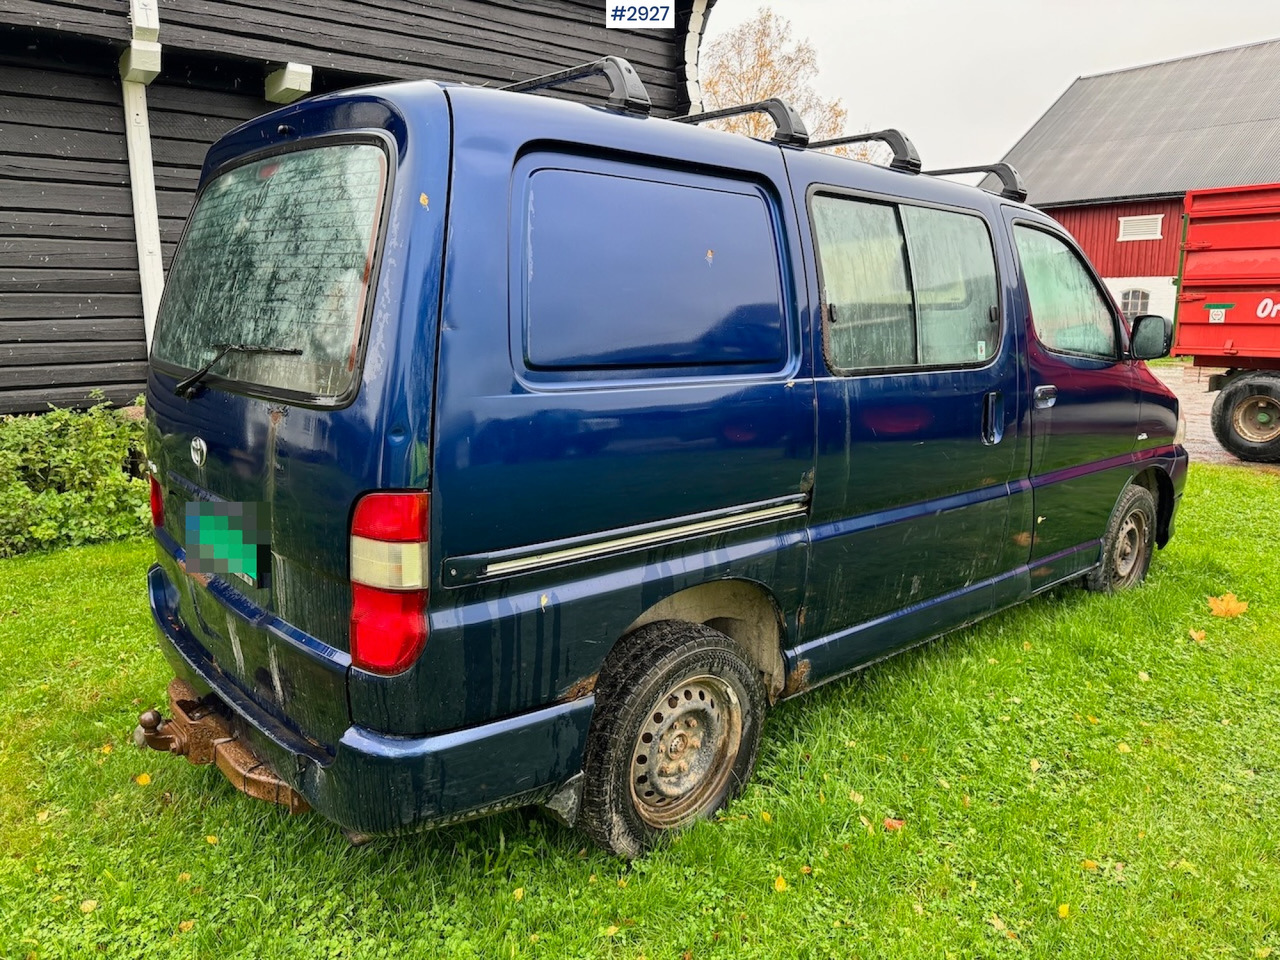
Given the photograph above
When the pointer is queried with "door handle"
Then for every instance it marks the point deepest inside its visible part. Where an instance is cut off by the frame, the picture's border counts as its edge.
(1045, 396)
(993, 417)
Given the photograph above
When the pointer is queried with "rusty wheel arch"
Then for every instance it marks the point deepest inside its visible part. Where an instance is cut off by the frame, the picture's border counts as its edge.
(744, 610)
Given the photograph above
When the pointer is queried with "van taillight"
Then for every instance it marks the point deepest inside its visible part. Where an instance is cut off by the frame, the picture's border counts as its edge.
(390, 573)
(157, 503)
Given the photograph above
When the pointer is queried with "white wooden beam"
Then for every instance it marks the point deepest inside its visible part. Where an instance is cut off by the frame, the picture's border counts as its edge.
(144, 18)
(290, 82)
(692, 46)
(139, 65)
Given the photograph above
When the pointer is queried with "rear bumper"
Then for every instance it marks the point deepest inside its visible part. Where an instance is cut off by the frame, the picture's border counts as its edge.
(376, 784)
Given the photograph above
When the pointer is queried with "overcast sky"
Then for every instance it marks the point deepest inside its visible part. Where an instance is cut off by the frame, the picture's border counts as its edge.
(964, 79)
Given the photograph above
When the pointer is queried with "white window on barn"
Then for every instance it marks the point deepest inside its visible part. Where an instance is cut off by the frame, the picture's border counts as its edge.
(1135, 303)
(1148, 227)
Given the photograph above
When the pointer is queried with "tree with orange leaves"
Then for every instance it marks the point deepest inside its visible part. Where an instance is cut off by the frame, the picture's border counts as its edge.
(761, 59)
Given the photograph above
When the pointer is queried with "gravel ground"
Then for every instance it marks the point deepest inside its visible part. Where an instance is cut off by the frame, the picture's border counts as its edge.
(1191, 384)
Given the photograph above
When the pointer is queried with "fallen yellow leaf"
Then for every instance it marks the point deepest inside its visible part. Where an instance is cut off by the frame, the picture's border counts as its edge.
(780, 884)
(855, 796)
(1144, 676)
(622, 882)
(766, 816)
(186, 925)
(1089, 864)
(88, 906)
(1123, 747)
(107, 748)
(996, 922)
(992, 660)
(1035, 765)
(211, 840)
(1262, 952)
(142, 779)
(610, 931)
(1026, 644)
(592, 878)
(184, 877)
(1092, 718)
(867, 823)
(1227, 605)
(42, 816)
(518, 893)
(943, 784)
(1196, 635)
(806, 869)
(534, 938)
(1063, 910)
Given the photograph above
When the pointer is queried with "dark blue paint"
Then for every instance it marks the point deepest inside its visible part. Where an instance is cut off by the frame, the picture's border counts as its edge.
(597, 400)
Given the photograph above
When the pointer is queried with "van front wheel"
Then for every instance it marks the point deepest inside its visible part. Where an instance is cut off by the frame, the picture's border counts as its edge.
(1127, 546)
(674, 737)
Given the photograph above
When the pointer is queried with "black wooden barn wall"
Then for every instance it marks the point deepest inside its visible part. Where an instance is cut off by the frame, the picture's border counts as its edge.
(70, 306)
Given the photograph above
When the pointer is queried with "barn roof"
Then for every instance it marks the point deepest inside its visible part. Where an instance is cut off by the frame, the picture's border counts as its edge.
(1208, 120)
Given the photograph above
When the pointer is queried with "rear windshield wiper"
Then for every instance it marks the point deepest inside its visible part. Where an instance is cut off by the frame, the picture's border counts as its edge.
(188, 386)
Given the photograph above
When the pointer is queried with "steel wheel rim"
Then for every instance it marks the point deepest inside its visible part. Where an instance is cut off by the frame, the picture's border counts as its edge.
(1257, 419)
(1131, 546)
(685, 750)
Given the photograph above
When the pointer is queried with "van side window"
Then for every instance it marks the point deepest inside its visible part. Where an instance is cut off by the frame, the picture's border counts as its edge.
(905, 286)
(954, 273)
(620, 272)
(1068, 312)
(863, 258)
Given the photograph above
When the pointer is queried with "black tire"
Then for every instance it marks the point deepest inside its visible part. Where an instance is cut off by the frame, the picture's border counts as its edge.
(1246, 417)
(661, 683)
(1128, 544)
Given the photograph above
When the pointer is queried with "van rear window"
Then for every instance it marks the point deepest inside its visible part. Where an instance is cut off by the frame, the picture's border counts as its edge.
(278, 253)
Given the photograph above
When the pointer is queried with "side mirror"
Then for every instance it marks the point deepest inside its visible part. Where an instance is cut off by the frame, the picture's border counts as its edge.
(1151, 338)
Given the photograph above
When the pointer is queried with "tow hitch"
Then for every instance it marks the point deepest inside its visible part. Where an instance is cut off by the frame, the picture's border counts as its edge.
(200, 731)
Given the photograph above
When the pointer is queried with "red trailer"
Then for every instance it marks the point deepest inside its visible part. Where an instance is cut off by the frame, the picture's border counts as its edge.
(1228, 312)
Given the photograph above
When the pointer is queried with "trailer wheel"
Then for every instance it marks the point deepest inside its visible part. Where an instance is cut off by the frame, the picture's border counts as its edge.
(674, 737)
(1246, 417)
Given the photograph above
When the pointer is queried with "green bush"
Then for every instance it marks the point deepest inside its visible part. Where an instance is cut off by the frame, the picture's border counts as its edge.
(70, 477)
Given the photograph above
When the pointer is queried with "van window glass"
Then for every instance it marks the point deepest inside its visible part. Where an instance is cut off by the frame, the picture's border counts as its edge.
(862, 255)
(1068, 312)
(621, 272)
(953, 270)
(905, 286)
(278, 253)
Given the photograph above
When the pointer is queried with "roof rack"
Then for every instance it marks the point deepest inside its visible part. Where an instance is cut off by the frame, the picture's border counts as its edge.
(790, 131)
(1012, 189)
(905, 155)
(626, 92)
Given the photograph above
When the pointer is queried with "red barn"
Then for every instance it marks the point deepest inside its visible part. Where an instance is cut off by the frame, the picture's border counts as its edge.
(1114, 157)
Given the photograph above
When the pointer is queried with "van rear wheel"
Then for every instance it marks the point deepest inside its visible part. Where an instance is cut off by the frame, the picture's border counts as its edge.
(674, 737)
(1128, 544)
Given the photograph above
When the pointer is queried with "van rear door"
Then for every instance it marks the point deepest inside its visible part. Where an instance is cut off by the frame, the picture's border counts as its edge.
(258, 341)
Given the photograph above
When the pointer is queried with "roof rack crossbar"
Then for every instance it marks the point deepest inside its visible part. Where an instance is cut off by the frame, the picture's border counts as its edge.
(905, 155)
(627, 91)
(790, 131)
(1012, 189)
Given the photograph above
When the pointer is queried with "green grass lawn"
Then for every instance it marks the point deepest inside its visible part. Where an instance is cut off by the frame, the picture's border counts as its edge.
(1077, 777)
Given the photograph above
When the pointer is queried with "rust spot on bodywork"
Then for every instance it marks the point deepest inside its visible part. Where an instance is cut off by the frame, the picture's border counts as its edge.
(797, 681)
(1022, 538)
(580, 689)
(1040, 572)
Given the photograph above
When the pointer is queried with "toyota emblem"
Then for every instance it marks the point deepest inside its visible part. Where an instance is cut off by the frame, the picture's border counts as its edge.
(199, 450)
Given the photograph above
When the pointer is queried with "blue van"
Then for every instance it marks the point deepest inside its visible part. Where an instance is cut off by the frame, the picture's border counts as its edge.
(513, 450)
